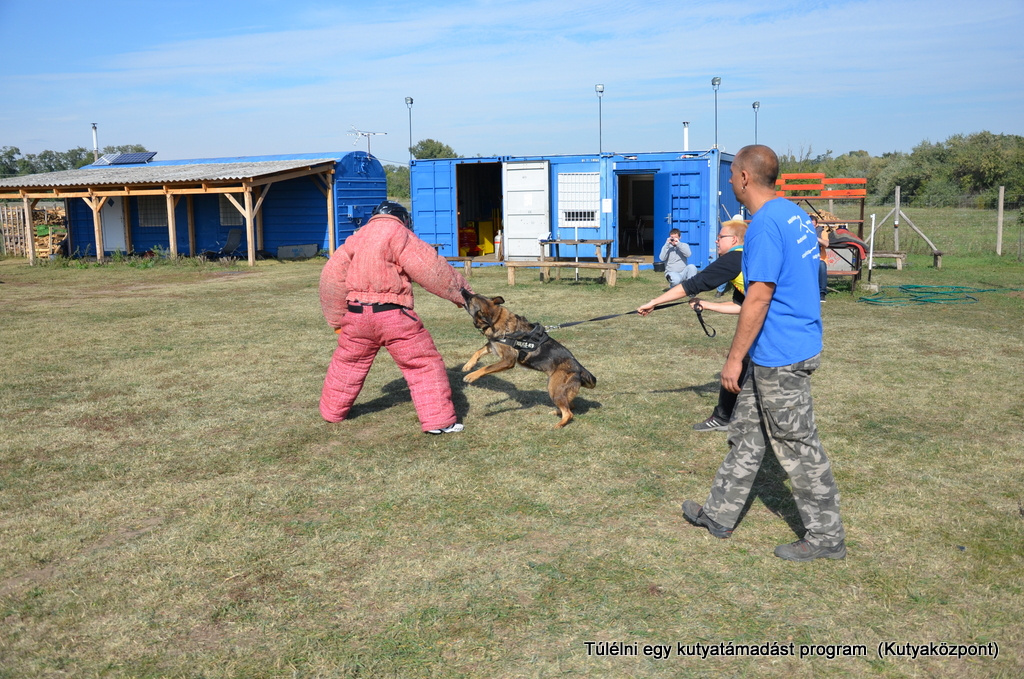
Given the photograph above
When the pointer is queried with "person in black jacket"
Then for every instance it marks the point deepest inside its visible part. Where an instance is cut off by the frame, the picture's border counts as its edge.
(726, 269)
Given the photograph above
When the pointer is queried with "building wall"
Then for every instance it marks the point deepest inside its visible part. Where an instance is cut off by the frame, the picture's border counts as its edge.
(294, 211)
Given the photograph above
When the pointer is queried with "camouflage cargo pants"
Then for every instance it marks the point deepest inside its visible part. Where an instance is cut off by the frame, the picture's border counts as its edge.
(775, 405)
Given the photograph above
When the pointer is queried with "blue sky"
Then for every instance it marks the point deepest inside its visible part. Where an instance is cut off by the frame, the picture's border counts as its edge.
(215, 78)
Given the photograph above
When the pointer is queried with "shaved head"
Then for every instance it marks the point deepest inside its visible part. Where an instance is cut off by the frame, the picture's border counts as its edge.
(760, 162)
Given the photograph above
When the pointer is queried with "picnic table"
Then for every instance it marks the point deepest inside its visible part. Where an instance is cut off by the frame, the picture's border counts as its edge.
(600, 245)
(556, 262)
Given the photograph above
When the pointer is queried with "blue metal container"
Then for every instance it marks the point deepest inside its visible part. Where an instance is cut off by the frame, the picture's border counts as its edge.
(630, 199)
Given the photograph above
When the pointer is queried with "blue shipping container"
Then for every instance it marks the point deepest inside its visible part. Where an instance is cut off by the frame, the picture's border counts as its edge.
(630, 199)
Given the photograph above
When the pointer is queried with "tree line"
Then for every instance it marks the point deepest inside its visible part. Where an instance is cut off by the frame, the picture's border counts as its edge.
(13, 163)
(963, 170)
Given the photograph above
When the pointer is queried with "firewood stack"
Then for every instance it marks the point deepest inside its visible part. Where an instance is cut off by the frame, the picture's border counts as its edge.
(53, 224)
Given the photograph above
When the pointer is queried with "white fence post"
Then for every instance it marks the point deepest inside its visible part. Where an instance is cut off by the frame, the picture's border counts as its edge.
(999, 222)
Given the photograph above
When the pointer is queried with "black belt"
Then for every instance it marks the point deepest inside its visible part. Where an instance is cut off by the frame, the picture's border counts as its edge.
(374, 308)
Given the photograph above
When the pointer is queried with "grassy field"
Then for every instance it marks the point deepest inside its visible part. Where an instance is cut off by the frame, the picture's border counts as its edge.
(172, 505)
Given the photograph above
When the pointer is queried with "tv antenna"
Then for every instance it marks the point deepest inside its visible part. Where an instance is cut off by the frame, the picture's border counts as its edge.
(361, 133)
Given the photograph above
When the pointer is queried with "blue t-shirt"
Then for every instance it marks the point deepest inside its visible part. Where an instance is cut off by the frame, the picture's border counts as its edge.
(781, 248)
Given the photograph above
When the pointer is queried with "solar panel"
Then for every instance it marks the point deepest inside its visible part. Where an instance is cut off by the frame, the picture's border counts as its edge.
(126, 158)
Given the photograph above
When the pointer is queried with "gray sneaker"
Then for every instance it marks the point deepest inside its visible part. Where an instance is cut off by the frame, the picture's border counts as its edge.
(694, 513)
(712, 424)
(801, 550)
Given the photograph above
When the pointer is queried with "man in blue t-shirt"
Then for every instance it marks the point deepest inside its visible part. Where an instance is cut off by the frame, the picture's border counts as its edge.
(780, 328)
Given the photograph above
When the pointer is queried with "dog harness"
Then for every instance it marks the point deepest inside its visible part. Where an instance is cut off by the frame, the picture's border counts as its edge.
(525, 341)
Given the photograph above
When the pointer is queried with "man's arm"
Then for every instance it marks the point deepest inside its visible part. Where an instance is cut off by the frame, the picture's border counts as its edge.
(333, 288)
(432, 271)
(752, 315)
(720, 271)
(673, 293)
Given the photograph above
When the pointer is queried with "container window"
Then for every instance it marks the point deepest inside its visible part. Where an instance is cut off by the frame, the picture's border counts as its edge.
(229, 214)
(152, 212)
(579, 199)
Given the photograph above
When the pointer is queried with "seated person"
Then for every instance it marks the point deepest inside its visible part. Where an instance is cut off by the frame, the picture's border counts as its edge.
(674, 254)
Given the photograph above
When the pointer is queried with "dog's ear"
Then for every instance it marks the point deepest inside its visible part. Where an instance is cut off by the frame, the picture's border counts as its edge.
(498, 300)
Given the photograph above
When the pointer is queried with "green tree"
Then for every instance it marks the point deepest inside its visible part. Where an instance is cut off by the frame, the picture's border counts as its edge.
(431, 148)
(12, 162)
(9, 161)
(398, 181)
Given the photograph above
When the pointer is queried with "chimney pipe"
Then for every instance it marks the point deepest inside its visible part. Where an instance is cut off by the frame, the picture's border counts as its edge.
(95, 145)
(686, 136)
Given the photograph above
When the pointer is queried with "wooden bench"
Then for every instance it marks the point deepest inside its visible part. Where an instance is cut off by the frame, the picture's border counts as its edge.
(467, 264)
(545, 266)
(900, 257)
(634, 261)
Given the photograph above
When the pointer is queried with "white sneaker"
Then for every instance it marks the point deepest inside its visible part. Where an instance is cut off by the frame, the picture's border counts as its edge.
(455, 428)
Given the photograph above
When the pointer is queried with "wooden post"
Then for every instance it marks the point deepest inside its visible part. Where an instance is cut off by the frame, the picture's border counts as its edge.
(250, 227)
(323, 182)
(96, 204)
(332, 239)
(999, 222)
(172, 228)
(30, 236)
(259, 218)
(126, 210)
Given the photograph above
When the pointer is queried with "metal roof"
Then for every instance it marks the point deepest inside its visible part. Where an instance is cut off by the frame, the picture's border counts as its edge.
(163, 174)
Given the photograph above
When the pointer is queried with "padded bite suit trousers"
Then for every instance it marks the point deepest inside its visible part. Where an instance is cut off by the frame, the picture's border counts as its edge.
(401, 332)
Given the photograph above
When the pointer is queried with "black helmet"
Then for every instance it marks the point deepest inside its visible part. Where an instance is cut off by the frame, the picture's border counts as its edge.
(395, 210)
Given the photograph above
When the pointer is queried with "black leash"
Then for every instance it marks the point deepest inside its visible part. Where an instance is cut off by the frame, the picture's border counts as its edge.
(708, 330)
(698, 308)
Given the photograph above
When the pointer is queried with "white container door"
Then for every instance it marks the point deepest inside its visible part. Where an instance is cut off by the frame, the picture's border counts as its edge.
(527, 208)
(112, 216)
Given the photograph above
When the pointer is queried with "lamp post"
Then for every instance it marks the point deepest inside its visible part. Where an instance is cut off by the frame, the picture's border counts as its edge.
(715, 82)
(600, 93)
(408, 102)
(757, 105)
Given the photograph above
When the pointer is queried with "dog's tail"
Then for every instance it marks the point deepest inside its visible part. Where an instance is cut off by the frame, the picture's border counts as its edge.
(587, 379)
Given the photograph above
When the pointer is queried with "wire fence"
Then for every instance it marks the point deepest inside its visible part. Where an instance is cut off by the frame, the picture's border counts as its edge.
(977, 201)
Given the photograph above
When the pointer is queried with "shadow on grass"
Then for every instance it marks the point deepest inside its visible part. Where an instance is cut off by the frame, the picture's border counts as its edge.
(396, 392)
(699, 389)
(518, 399)
(770, 487)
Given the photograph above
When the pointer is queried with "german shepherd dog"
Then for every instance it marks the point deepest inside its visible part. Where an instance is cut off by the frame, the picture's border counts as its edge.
(516, 340)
